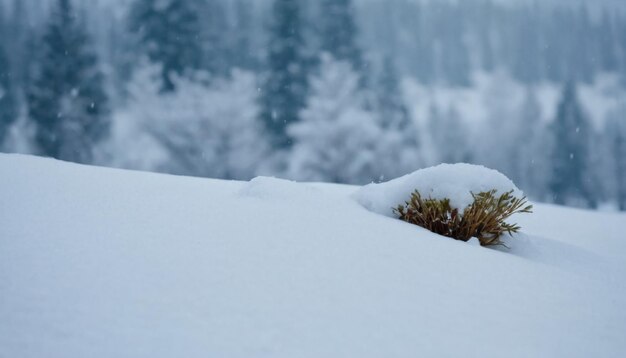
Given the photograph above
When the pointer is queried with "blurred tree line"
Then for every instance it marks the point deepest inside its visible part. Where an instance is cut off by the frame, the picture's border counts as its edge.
(310, 89)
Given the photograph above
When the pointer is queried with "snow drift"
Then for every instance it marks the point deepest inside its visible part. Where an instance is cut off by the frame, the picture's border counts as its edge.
(108, 263)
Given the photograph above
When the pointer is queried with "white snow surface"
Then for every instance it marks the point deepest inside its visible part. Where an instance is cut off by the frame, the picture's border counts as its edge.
(456, 182)
(101, 262)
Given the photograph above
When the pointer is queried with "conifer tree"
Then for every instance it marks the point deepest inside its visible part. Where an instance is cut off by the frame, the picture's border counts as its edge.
(607, 47)
(242, 56)
(339, 32)
(285, 82)
(616, 135)
(16, 29)
(169, 33)
(8, 107)
(397, 150)
(66, 100)
(215, 36)
(389, 102)
(571, 179)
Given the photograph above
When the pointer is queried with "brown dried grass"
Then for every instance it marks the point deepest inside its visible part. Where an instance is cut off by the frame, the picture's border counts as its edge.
(483, 219)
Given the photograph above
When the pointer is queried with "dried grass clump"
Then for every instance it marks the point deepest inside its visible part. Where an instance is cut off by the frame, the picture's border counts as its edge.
(483, 219)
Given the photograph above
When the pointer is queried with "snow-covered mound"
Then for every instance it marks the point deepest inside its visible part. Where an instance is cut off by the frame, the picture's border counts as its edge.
(107, 263)
(456, 182)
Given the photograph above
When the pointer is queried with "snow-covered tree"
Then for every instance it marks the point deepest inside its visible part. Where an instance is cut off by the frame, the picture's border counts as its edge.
(336, 139)
(169, 34)
(397, 151)
(284, 88)
(572, 180)
(204, 129)
(66, 100)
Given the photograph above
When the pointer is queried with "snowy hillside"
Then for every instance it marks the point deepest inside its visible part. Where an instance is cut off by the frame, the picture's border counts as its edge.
(108, 263)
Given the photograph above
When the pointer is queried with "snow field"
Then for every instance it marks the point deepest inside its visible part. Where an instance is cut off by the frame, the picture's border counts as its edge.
(100, 263)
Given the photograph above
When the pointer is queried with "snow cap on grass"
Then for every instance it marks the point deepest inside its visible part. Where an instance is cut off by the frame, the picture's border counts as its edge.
(456, 182)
